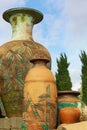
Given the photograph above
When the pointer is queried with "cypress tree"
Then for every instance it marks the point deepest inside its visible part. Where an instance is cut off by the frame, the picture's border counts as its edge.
(83, 58)
(63, 80)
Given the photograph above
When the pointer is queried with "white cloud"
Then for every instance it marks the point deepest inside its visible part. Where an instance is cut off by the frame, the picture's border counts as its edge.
(49, 31)
(75, 12)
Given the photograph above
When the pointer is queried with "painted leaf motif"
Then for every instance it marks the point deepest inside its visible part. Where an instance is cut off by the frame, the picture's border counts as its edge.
(21, 73)
(44, 126)
(44, 96)
(7, 87)
(11, 59)
(41, 100)
(16, 66)
(0, 62)
(23, 126)
(29, 51)
(48, 88)
(20, 81)
(51, 105)
(20, 58)
(21, 50)
(39, 106)
(34, 110)
(36, 113)
(27, 104)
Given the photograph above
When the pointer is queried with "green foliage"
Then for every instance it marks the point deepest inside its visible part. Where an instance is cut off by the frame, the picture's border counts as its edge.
(83, 58)
(63, 80)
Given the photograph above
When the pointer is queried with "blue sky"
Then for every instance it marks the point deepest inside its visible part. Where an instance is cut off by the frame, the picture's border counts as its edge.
(62, 30)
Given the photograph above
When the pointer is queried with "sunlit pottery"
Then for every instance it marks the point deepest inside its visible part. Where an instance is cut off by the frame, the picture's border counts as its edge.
(40, 95)
(69, 99)
(15, 57)
(69, 115)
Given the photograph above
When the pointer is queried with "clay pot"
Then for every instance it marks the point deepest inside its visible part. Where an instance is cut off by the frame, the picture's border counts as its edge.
(15, 57)
(69, 115)
(68, 99)
(40, 94)
(68, 96)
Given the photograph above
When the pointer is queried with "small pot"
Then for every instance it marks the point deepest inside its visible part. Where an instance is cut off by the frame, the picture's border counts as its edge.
(69, 115)
(68, 96)
(67, 99)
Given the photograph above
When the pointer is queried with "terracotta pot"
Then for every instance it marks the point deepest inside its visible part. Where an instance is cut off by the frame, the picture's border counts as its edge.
(68, 99)
(68, 96)
(15, 57)
(40, 94)
(69, 115)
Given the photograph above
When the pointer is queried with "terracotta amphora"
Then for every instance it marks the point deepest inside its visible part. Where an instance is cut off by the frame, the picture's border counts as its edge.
(40, 94)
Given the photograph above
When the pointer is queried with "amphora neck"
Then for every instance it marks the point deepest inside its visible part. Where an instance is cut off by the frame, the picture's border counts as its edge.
(22, 21)
(22, 25)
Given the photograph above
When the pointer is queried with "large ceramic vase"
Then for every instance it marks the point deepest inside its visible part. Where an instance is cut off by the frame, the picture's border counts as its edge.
(69, 100)
(15, 57)
(40, 95)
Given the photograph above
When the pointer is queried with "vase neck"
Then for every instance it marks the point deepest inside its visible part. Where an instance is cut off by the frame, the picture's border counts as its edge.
(22, 25)
(38, 63)
(22, 21)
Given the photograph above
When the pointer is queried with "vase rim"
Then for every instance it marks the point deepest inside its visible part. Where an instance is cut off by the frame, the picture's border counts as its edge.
(73, 92)
(39, 59)
(37, 15)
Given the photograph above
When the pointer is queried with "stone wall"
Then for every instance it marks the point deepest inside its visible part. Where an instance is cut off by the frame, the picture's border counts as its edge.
(17, 123)
(11, 123)
(74, 126)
